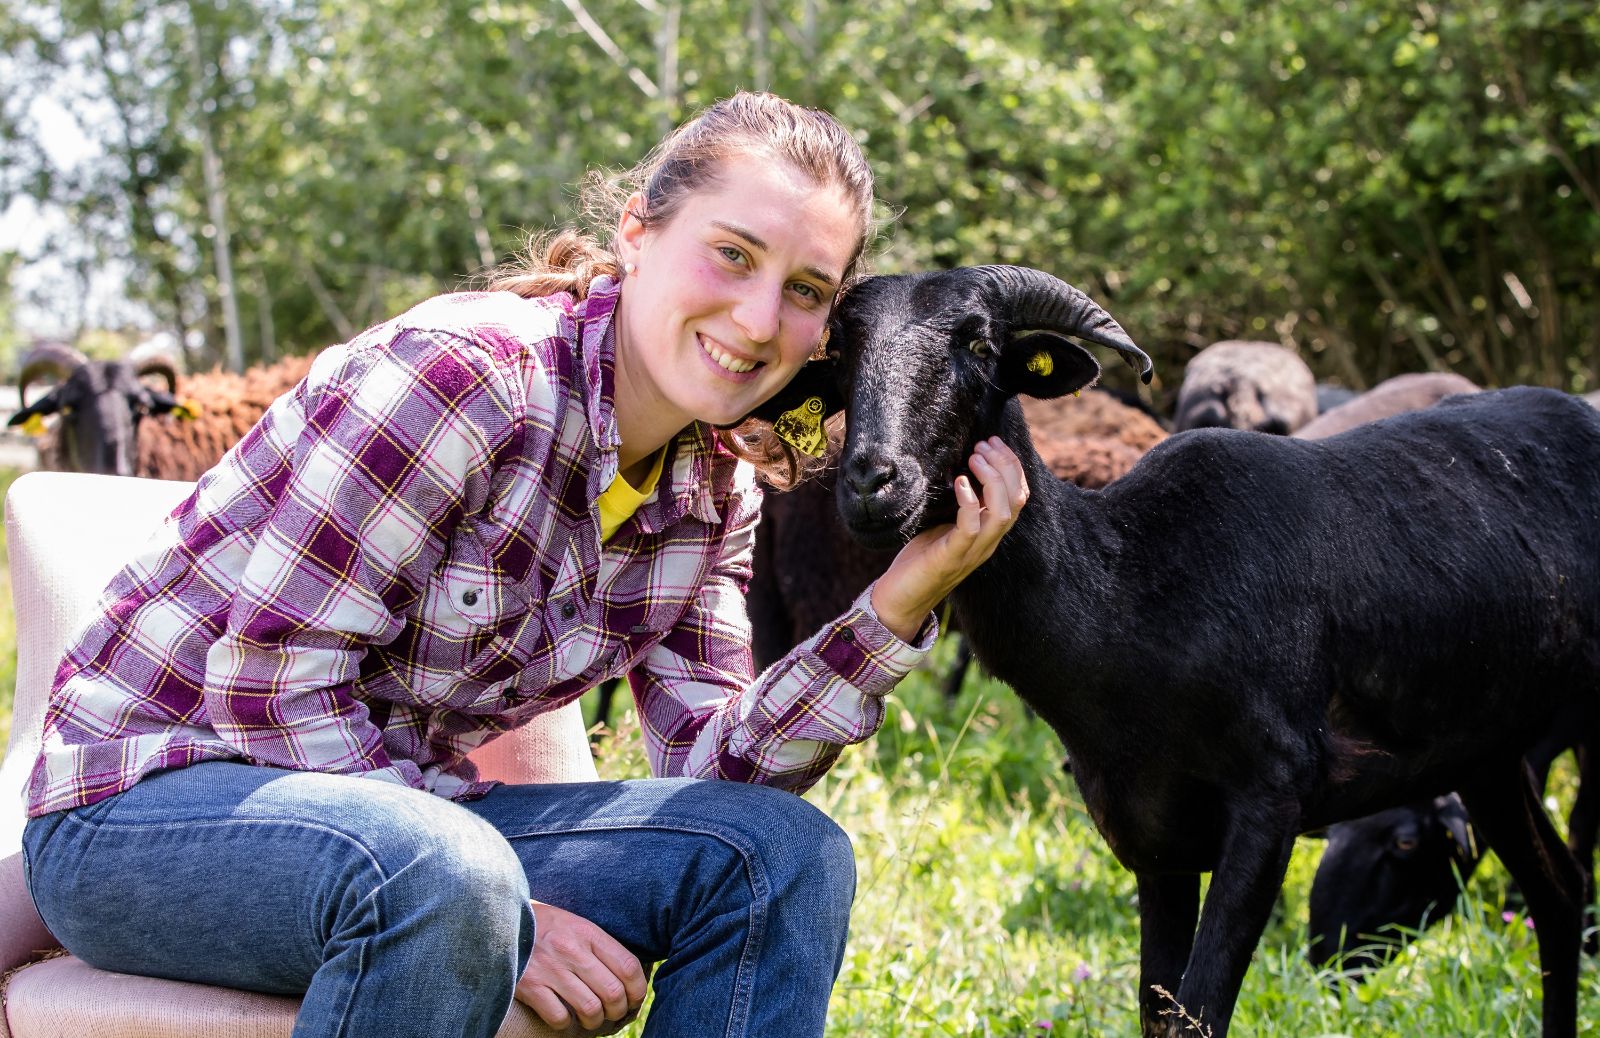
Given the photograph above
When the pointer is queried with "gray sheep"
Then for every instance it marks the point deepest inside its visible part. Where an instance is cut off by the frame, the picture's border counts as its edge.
(1238, 384)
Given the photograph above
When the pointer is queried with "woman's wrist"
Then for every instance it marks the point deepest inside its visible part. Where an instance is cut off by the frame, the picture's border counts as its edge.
(901, 622)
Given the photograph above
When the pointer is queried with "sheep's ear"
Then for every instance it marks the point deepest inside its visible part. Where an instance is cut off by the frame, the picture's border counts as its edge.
(50, 403)
(798, 410)
(161, 403)
(1045, 365)
(1456, 822)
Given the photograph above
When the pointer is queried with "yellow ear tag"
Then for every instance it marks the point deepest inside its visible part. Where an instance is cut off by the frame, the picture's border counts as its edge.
(33, 425)
(801, 427)
(188, 410)
(1041, 364)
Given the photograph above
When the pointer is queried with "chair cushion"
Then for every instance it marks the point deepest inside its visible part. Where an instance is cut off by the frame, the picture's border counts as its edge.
(64, 998)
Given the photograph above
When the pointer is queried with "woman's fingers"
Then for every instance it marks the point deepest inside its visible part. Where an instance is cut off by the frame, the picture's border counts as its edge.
(929, 567)
(969, 511)
(622, 965)
(1005, 491)
(579, 971)
(1011, 486)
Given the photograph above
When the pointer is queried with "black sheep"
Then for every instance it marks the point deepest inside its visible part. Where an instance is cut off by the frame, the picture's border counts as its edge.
(1248, 636)
(1386, 877)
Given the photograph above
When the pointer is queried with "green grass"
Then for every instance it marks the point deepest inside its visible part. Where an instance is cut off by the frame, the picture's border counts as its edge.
(989, 906)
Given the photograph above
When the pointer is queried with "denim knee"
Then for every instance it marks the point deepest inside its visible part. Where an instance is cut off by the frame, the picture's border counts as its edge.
(804, 854)
(461, 881)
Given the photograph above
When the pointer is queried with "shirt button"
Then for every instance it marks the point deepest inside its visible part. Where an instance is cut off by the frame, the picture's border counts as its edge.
(848, 634)
(469, 598)
(568, 610)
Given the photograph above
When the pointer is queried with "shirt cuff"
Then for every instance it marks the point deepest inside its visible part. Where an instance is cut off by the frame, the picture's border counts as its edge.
(862, 651)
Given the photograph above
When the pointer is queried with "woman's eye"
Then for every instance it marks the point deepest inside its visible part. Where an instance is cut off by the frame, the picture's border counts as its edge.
(808, 291)
(731, 254)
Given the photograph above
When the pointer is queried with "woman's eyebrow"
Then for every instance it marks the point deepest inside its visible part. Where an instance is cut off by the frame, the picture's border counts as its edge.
(761, 245)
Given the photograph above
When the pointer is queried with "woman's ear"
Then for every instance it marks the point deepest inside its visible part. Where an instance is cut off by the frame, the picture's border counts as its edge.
(631, 229)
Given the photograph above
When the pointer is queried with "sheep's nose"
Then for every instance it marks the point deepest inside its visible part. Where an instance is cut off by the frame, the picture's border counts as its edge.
(869, 473)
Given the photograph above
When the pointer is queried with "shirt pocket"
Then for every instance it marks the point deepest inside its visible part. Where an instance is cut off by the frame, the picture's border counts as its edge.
(471, 630)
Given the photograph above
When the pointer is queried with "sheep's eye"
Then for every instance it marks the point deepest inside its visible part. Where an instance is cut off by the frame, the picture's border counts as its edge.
(1405, 843)
(980, 348)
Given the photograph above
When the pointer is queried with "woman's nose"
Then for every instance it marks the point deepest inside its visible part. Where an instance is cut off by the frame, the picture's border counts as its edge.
(756, 314)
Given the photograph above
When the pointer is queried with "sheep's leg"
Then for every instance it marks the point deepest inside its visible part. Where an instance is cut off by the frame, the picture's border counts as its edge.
(1169, 904)
(1244, 887)
(959, 667)
(1505, 807)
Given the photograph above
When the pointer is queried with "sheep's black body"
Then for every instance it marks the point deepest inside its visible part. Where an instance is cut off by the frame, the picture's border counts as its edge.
(1248, 636)
(1378, 609)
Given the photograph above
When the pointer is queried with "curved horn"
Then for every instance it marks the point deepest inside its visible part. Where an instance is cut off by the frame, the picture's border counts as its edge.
(50, 358)
(1035, 299)
(159, 366)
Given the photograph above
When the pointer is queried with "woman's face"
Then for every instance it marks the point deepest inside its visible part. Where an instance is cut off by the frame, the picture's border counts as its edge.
(729, 297)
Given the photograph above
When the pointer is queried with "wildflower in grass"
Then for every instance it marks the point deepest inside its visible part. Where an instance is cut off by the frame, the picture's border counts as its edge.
(1511, 917)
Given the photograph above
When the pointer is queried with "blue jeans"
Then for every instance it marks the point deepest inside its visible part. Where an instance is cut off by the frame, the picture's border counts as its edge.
(398, 913)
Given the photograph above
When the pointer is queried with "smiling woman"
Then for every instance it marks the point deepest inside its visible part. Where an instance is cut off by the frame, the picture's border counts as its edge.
(728, 299)
(464, 517)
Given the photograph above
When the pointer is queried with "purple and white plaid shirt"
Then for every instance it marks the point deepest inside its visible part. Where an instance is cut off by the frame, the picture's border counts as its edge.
(402, 560)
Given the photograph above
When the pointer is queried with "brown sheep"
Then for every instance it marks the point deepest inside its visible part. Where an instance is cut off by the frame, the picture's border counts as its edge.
(1410, 392)
(227, 405)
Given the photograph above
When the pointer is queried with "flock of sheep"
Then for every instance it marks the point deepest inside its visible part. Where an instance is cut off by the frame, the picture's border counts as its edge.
(1309, 606)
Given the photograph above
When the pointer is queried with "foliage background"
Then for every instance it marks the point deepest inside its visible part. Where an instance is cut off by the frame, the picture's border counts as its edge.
(1387, 186)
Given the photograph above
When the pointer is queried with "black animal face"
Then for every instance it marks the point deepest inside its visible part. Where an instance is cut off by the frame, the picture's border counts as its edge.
(918, 369)
(100, 404)
(1386, 876)
(928, 364)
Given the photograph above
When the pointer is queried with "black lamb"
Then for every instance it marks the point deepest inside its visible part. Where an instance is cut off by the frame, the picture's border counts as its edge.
(1248, 636)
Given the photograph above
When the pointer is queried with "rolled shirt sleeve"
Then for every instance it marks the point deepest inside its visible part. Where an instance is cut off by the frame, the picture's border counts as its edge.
(398, 442)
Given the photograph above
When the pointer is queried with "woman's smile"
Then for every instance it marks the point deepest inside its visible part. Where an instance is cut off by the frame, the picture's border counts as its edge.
(726, 362)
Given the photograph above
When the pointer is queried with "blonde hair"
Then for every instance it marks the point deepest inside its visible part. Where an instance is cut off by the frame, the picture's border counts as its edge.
(688, 160)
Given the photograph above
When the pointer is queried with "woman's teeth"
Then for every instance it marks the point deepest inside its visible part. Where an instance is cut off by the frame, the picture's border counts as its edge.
(727, 360)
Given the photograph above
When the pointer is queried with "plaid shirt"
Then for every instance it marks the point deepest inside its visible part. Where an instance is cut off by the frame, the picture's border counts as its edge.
(402, 559)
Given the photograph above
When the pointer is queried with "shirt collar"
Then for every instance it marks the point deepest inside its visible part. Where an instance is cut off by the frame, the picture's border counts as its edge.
(686, 485)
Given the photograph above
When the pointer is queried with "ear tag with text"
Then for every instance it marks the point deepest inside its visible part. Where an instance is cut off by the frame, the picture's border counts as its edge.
(801, 427)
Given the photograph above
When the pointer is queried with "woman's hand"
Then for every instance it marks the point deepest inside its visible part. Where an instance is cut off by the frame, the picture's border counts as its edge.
(578, 972)
(936, 560)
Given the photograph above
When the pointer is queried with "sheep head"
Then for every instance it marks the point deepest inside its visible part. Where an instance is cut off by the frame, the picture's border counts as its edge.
(101, 403)
(928, 364)
(1388, 875)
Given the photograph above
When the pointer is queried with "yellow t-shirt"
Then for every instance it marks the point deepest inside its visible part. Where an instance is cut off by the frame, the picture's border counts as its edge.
(621, 499)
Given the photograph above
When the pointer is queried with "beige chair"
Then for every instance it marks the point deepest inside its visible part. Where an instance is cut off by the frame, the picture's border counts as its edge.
(67, 534)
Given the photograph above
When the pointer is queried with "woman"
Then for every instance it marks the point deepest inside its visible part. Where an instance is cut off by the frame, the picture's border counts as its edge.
(253, 769)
